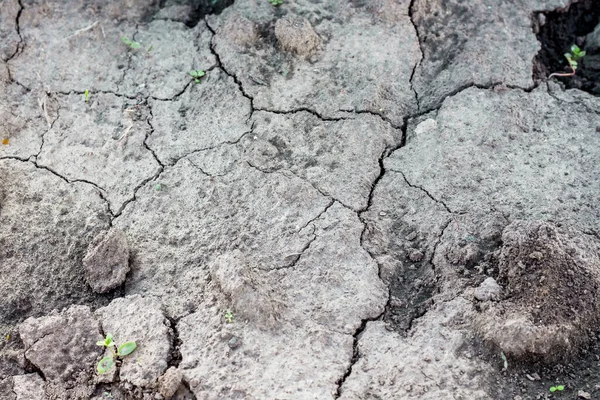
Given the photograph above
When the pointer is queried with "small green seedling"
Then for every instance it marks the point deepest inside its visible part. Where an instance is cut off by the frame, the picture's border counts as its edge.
(197, 74)
(558, 388)
(503, 357)
(573, 57)
(150, 49)
(123, 350)
(276, 2)
(229, 316)
(130, 43)
(158, 186)
(87, 95)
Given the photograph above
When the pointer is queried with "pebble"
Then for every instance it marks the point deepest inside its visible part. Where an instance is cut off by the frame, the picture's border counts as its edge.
(584, 395)
(234, 342)
(488, 290)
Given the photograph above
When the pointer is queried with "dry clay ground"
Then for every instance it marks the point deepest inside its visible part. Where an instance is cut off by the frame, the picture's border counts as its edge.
(377, 190)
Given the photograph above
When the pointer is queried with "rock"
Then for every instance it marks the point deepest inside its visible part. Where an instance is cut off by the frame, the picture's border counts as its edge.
(234, 342)
(139, 319)
(584, 395)
(548, 317)
(240, 31)
(488, 290)
(107, 261)
(62, 345)
(169, 382)
(29, 387)
(296, 35)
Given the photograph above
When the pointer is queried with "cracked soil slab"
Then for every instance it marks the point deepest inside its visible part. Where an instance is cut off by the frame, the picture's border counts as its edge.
(315, 217)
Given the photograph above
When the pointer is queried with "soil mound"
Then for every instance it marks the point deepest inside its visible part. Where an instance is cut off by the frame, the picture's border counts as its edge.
(550, 302)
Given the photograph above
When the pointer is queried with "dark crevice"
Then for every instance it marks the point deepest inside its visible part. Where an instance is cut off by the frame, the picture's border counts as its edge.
(220, 64)
(424, 191)
(355, 353)
(412, 75)
(297, 256)
(175, 354)
(20, 45)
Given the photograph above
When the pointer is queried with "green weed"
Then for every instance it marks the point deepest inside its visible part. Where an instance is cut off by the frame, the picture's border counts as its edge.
(123, 350)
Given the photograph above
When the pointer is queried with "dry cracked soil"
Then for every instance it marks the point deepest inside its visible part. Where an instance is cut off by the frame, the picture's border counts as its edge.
(359, 199)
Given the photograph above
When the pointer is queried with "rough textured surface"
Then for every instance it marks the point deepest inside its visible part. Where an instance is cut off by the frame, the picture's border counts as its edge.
(139, 319)
(200, 118)
(26, 116)
(28, 387)
(62, 345)
(551, 279)
(310, 319)
(9, 35)
(481, 42)
(433, 364)
(169, 51)
(47, 225)
(101, 141)
(339, 158)
(340, 78)
(339, 181)
(106, 262)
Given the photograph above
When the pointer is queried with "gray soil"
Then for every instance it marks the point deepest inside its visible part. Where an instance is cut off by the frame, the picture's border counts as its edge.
(358, 200)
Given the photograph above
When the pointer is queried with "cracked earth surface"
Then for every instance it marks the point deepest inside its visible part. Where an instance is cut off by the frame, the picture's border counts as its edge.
(343, 179)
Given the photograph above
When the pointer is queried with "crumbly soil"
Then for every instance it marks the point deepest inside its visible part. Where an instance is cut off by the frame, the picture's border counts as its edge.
(312, 217)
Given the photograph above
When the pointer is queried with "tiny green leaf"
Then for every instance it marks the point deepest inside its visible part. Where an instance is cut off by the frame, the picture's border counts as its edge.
(560, 388)
(575, 48)
(581, 54)
(135, 45)
(568, 56)
(126, 348)
(105, 365)
(553, 389)
(125, 40)
(150, 48)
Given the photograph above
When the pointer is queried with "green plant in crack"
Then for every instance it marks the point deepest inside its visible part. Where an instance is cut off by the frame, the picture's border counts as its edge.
(276, 2)
(197, 74)
(117, 352)
(130, 43)
(573, 58)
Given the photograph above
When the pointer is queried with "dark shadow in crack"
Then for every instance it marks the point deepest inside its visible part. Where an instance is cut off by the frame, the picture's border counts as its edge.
(557, 31)
(190, 12)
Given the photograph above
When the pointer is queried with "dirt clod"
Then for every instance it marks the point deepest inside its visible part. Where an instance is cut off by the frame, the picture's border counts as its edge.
(547, 312)
(107, 261)
(169, 382)
(297, 35)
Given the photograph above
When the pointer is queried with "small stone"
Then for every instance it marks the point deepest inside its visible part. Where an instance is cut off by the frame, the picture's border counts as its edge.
(415, 255)
(107, 261)
(169, 382)
(488, 290)
(411, 236)
(584, 395)
(234, 342)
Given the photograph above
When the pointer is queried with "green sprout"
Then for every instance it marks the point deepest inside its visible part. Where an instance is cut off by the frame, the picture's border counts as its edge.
(573, 57)
(559, 388)
(121, 351)
(503, 357)
(229, 316)
(197, 74)
(276, 2)
(150, 48)
(87, 95)
(130, 43)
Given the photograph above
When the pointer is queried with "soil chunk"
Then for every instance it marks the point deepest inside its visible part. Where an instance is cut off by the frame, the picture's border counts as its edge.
(107, 261)
(297, 35)
(551, 278)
